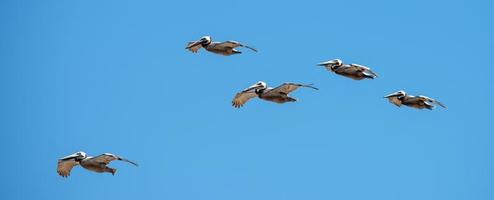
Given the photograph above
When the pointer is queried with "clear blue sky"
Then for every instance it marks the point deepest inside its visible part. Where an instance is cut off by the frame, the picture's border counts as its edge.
(113, 76)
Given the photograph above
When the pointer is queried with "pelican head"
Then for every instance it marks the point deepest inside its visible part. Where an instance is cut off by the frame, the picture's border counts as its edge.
(81, 155)
(78, 156)
(258, 86)
(337, 62)
(398, 94)
(332, 64)
(205, 40)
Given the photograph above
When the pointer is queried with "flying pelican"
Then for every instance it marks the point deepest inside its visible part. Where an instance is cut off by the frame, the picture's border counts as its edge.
(402, 98)
(260, 89)
(95, 164)
(353, 71)
(224, 48)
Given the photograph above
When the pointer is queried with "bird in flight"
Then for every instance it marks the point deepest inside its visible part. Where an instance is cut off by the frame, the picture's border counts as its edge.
(260, 89)
(96, 164)
(402, 98)
(353, 71)
(224, 48)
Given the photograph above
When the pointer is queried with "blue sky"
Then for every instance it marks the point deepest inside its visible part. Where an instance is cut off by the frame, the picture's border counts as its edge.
(113, 76)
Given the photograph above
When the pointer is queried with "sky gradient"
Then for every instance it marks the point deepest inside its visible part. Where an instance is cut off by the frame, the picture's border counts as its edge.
(113, 76)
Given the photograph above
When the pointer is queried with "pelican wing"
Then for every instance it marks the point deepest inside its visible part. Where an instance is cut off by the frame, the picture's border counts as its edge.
(395, 100)
(286, 88)
(242, 97)
(194, 46)
(347, 69)
(395, 97)
(65, 165)
(106, 158)
(233, 44)
(363, 69)
(431, 100)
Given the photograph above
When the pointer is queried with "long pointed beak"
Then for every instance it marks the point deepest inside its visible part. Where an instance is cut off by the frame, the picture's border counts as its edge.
(391, 95)
(70, 156)
(193, 44)
(331, 62)
(255, 86)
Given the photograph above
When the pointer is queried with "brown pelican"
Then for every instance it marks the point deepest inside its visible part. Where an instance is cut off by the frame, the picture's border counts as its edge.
(354, 71)
(402, 98)
(260, 89)
(96, 164)
(224, 48)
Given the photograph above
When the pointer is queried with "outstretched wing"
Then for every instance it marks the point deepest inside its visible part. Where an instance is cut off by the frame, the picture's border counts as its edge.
(363, 69)
(242, 97)
(193, 46)
(431, 100)
(232, 44)
(286, 88)
(106, 158)
(65, 166)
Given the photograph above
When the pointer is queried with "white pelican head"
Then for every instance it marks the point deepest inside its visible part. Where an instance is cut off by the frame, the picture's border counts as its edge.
(398, 94)
(259, 85)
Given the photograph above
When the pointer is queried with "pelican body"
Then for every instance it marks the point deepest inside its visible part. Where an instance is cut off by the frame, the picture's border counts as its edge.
(402, 98)
(260, 89)
(353, 71)
(223, 48)
(95, 164)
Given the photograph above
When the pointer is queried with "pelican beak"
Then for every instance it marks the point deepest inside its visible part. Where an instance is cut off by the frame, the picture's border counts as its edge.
(324, 63)
(75, 155)
(331, 62)
(255, 86)
(193, 44)
(392, 95)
